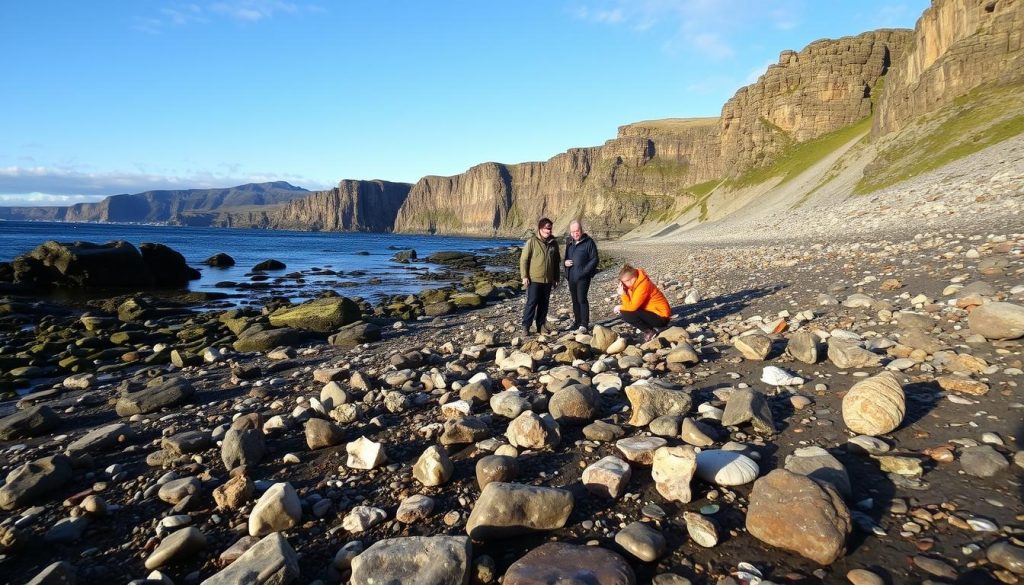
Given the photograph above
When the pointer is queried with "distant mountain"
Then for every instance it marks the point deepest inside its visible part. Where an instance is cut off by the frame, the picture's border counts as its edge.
(183, 207)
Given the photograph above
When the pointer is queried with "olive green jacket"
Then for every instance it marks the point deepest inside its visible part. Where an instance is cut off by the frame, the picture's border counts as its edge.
(540, 260)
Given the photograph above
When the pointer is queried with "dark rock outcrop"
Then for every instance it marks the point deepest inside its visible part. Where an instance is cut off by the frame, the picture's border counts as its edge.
(116, 264)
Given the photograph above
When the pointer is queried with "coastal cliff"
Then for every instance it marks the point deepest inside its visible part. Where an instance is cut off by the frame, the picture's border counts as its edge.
(958, 46)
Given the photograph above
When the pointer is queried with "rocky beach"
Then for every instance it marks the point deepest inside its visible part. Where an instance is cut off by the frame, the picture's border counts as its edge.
(822, 409)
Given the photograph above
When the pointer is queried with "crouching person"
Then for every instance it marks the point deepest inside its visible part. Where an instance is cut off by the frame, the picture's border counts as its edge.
(643, 305)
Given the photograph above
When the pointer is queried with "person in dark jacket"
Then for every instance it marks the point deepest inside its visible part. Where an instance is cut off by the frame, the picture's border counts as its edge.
(539, 268)
(580, 267)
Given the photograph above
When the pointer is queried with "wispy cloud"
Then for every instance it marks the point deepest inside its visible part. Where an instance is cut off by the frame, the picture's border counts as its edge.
(707, 27)
(62, 186)
(757, 72)
(174, 13)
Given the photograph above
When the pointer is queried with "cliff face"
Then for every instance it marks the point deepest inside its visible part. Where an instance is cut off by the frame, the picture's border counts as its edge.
(826, 86)
(612, 187)
(957, 46)
(646, 171)
(351, 206)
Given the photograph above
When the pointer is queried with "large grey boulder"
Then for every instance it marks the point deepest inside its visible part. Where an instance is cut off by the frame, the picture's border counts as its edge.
(254, 339)
(83, 265)
(419, 560)
(35, 479)
(159, 392)
(31, 422)
(271, 561)
(511, 509)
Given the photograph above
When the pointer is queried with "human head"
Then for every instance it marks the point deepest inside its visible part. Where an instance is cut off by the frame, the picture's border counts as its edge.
(576, 230)
(544, 227)
(627, 275)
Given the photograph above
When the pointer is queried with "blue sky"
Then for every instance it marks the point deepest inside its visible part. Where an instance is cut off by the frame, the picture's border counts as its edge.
(107, 97)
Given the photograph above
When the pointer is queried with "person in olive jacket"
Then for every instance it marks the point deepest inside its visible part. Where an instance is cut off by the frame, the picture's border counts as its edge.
(580, 267)
(539, 267)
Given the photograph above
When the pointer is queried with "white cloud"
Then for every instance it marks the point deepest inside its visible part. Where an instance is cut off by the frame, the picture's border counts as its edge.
(175, 13)
(62, 186)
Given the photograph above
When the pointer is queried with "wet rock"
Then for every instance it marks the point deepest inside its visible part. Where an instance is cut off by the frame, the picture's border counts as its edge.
(271, 561)
(607, 477)
(797, 514)
(277, 509)
(33, 480)
(320, 315)
(220, 260)
(31, 422)
(672, 470)
(433, 468)
(178, 544)
(429, 560)
(1006, 555)
(641, 541)
(509, 509)
(558, 562)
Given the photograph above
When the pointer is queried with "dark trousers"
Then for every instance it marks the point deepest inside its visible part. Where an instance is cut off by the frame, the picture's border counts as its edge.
(644, 319)
(579, 290)
(537, 296)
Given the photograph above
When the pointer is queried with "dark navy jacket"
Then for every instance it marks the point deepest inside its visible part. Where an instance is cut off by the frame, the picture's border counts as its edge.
(584, 258)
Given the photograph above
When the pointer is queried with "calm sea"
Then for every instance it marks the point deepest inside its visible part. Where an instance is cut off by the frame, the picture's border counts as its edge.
(300, 251)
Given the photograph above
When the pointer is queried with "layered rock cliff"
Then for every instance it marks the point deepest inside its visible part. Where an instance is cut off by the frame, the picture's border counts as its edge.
(351, 206)
(647, 171)
(958, 45)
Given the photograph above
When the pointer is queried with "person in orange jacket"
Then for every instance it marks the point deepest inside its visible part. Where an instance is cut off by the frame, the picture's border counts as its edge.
(643, 305)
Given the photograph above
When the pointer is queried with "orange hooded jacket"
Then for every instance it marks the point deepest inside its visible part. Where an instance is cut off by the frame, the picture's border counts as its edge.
(644, 295)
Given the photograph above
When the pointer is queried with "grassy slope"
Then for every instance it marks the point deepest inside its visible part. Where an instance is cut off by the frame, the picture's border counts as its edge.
(981, 118)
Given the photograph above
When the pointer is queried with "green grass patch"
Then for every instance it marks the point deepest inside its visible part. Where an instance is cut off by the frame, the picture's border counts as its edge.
(983, 117)
(800, 157)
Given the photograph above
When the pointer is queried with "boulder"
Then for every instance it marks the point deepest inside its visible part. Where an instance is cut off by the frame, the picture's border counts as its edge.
(31, 481)
(651, 400)
(755, 346)
(747, 404)
(423, 560)
(277, 509)
(846, 355)
(433, 468)
(269, 265)
(559, 562)
(159, 392)
(577, 404)
(997, 321)
(116, 264)
(320, 315)
(607, 477)
(100, 439)
(805, 346)
(511, 509)
(271, 561)
(31, 422)
(875, 406)
(819, 465)
(167, 266)
(254, 339)
(220, 260)
(355, 334)
(534, 431)
(795, 513)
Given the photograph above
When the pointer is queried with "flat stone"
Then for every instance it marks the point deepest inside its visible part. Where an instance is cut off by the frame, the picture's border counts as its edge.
(101, 439)
(59, 573)
(31, 422)
(426, 560)
(702, 530)
(982, 461)
(935, 567)
(641, 541)
(997, 320)
(747, 404)
(509, 509)
(1006, 555)
(33, 480)
(640, 450)
(726, 468)
(160, 392)
(819, 465)
(178, 544)
(271, 561)
(602, 431)
(864, 577)
(177, 490)
(67, 530)
(561, 563)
